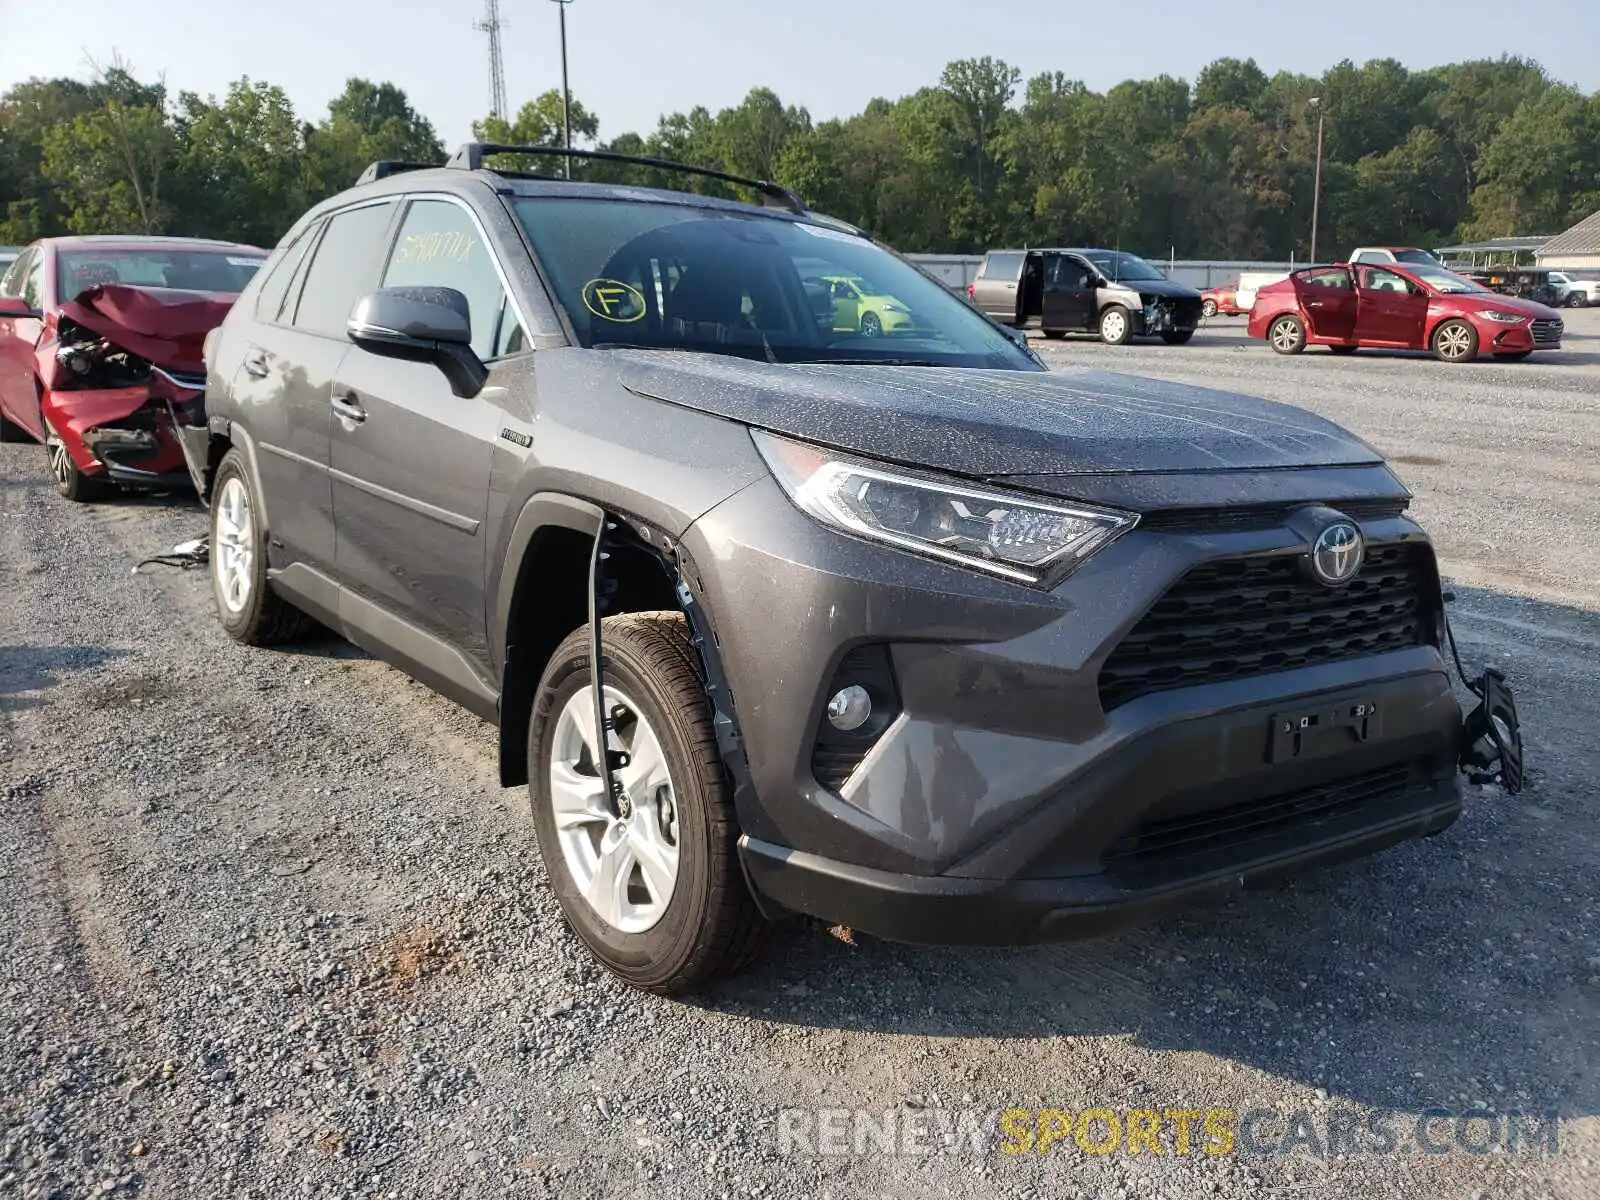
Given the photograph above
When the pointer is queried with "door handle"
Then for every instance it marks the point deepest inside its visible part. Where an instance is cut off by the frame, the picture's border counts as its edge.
(347, 406)
(255, 363)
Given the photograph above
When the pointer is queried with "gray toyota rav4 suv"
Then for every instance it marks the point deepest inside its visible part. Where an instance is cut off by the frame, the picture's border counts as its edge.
(899, 631)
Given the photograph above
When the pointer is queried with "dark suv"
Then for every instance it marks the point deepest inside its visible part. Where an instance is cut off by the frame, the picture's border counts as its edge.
(902, 632)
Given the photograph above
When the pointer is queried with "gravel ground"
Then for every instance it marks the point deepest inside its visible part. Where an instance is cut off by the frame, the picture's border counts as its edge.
(272, 929)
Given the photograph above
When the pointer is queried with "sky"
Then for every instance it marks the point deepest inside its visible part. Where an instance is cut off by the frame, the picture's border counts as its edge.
(633, 60)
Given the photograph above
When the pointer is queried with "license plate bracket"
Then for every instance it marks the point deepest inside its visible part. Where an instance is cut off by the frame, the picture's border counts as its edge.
(1308, 732)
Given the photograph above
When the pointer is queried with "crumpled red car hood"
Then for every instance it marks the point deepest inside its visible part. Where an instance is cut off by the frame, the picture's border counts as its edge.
(166, 326)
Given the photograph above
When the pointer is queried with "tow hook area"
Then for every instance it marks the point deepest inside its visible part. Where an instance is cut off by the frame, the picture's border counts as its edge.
(1491, 734)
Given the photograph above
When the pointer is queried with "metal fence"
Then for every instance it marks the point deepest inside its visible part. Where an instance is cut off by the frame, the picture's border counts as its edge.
(958, 270)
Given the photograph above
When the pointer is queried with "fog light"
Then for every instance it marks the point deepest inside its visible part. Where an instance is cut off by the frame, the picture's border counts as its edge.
(849, 708)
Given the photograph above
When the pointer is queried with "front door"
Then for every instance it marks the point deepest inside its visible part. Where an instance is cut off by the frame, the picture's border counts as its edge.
(1328, 299)
(1389, 308)
(411, 459)
(19, 336)
(1069, 294)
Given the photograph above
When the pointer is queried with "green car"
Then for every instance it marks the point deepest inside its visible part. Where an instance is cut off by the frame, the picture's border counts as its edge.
(857, 307)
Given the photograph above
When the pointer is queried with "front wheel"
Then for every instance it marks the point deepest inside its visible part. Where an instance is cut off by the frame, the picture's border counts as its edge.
(1287, 335)
(69, 480)
(1116, 326)
(871, 325)
(648, 879)
(1208, 308)
(1176, 337)
(1577, 300)
(1455, 342)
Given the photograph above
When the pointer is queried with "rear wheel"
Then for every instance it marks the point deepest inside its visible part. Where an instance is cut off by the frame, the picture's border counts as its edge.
(1208, 308)
(1176, 337)
(1576, 299)
(1287, 335)
(250, 611)
(1116, 326)
(1343, 349)
(71, 482)
(650, 881)
(1455, 341)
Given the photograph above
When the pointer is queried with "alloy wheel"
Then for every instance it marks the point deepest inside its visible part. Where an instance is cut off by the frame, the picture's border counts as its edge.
(1455, 341)
(622, 854)
(233, 545)
(870, 326)
(1285, 336)
(61, 466)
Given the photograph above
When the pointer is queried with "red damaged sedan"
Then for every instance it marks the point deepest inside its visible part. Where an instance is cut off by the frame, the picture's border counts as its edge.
(101, 352)
(1400, 306)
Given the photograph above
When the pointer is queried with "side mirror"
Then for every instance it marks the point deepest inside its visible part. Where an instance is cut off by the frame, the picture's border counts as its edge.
(421, 324)
(16, 306)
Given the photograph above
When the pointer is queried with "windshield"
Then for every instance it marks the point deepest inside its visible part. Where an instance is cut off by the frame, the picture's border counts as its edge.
(1421, 257)
(192, 270)
(671, 277)
(1448, 282)
(1116, 265)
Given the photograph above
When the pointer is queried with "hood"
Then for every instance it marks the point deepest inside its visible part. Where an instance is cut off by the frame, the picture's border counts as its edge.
(987, 423)
(1528, 308)
(166, 326)
(1157, 287)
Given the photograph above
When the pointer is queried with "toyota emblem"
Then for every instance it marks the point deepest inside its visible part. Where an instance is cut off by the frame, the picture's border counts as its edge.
(1337, 554)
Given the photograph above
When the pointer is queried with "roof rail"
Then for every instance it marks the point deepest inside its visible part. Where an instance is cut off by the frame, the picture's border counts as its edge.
(386, 167)
(471, 155)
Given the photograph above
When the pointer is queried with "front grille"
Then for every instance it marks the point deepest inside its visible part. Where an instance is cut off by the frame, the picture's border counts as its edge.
(1219, 837)
(1260, 516)
(1548, 331)
(1239, 617)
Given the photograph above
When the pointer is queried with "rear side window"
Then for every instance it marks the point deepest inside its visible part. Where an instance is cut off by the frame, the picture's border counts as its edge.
(1329, 278)
(342, 269)
(1003, 264)
(440, 246)
(11, 284)
(275, 287)
(33, 281)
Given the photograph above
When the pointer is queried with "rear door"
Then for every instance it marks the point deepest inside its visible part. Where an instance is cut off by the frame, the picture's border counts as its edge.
(1390, 309)
(411, 460)
(283, 386)
(19, 336)
(996, 290)
(1069, 294)
(1328, 298)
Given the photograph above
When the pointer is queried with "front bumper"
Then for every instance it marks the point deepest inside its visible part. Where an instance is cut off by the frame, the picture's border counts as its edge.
(1004, 802)
(125, 434)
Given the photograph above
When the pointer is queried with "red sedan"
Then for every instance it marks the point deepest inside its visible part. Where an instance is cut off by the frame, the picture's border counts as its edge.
(1223, 299)
(100, 349)
(1400, 306)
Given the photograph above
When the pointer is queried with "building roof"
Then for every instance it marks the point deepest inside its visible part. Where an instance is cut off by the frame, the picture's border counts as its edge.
(1494, 245)
(1582, 238)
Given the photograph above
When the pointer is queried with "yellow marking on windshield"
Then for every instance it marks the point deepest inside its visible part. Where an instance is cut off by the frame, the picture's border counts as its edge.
(613, 300)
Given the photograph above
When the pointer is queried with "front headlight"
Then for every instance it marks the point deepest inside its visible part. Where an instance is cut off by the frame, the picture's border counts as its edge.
(1016, 537)
(1504, 318)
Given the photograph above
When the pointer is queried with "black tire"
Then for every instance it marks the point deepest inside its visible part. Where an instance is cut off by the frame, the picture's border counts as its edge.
(1109, 316)
(10, 431)
(265, 618)
(1176, 337)
(711, 927)
(1286, 335)
(1513, 356)
(70, 482)
(871, 325)
(1577, 299)
(1208, 308)
(1344, 349)
(1447, 344)
(1055, 335)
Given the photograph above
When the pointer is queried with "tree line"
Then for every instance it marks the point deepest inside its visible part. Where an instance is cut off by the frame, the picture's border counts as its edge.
(1222, 168)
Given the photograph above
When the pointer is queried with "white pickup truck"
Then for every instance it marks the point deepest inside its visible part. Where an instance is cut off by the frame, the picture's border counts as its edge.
(1576, 293)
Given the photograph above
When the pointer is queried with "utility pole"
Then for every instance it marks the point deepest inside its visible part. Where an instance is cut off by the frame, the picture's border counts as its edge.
(1316, 186)
(566, 92)
(491, 24)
